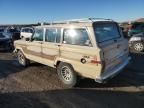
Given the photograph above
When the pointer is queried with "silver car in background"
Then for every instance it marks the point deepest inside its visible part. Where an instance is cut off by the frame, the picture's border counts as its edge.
(26, 32)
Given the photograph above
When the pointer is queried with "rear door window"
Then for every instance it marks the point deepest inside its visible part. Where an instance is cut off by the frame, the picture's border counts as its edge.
(76, 37)
(53, 35)
(105, 31)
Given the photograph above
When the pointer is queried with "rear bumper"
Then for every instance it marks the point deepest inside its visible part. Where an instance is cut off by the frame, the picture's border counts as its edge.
(110, 74)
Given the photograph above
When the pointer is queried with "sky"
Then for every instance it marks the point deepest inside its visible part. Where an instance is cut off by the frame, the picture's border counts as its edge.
(34, 11)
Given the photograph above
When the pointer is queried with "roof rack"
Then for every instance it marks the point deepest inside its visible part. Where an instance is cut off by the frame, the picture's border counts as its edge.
(80, 20)
(96, 19)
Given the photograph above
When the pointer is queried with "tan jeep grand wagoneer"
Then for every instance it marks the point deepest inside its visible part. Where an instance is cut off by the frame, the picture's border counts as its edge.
(90, 48)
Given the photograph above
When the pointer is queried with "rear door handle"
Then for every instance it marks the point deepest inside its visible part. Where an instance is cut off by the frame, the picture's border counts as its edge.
(57, 45)
(41, 42)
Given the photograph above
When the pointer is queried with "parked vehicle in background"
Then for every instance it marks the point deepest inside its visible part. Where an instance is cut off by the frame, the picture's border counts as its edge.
(5, 41)
(26, 32)
(13, 33)
(136, 42)
(1, 30)
(136, 28)
(125, 33)
(91, 48)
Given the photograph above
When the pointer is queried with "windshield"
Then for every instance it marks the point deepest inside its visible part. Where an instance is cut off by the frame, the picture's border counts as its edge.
(138, 26)
(106, 31)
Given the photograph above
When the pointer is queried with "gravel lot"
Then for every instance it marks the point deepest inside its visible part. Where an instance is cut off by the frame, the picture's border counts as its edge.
(38, 86)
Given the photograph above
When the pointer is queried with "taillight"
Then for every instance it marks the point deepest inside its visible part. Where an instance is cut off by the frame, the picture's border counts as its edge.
(96, 62)
(103, 66)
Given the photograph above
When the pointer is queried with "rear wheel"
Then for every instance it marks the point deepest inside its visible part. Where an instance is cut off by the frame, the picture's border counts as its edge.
(22, 59)
(67, 75)
(138, 46)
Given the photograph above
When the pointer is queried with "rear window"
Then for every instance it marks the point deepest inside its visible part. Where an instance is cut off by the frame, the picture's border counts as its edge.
(106, 31)
(27, 30)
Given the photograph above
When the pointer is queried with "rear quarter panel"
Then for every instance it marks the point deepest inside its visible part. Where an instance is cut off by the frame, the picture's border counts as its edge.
(74, 54)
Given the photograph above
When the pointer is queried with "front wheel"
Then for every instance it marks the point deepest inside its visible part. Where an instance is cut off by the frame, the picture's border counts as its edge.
(22, 59)
(67, 75)
(138, 46)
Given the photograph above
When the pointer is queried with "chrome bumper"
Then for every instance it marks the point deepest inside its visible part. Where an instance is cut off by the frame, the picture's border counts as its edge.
(113, 72)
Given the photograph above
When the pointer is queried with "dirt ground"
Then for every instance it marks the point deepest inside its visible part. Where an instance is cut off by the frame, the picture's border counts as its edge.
(38, 86)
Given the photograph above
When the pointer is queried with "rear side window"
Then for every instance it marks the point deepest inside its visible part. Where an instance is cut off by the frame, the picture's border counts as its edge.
(106, 31)
(76, 37)
(53, 35)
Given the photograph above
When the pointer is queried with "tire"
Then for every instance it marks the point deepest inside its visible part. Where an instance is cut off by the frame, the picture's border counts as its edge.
(67, 75)
(22, 59)
(138, 47)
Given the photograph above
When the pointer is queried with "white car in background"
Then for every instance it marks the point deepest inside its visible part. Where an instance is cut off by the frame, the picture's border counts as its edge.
(26, 32)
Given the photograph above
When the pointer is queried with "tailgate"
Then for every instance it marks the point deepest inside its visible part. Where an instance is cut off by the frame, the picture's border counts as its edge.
(115, 53)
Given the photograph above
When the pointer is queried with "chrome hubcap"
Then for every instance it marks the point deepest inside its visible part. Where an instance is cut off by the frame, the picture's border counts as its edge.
(66, 73)
(138, 47)
(21, 58)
